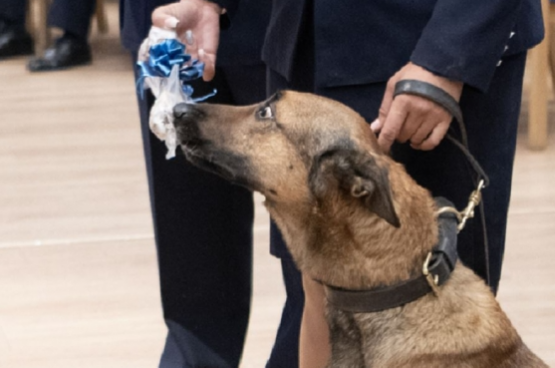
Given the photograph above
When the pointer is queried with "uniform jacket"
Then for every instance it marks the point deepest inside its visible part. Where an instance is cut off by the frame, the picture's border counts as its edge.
(240, 44)
(366, 41)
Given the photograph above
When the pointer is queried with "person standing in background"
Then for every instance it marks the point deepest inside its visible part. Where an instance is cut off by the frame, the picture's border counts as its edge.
(203, 224)
(71, 49)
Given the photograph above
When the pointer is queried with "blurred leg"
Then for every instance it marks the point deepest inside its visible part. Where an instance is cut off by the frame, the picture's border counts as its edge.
(14, 38)
(285, 352)
(73, 16)
(314, 346)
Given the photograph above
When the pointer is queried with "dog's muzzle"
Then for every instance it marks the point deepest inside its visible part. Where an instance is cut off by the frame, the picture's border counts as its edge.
(186, 120)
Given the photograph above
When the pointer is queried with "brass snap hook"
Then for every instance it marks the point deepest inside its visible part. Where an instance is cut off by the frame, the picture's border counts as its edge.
(433, 280)
(468, 213)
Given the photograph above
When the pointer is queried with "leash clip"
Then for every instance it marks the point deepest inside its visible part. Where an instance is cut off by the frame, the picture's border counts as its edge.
(433, 280)
(473, 201)
(468, 213)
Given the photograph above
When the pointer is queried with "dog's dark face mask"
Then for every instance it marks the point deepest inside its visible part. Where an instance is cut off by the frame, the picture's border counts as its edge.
(278, 146)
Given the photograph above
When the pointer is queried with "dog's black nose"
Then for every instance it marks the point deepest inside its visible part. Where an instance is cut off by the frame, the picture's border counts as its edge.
(182, 110)
(187, 114)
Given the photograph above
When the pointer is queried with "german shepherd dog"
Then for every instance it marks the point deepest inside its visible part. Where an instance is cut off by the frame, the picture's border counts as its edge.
(353, 218)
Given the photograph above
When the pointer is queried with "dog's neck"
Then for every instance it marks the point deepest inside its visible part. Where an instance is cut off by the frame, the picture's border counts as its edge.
(348, 246)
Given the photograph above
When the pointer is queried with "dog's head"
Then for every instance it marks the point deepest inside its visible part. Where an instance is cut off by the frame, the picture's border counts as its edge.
(348, 213)
(294, 148)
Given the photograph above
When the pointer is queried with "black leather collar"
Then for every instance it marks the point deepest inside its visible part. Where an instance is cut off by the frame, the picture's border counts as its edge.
(439, 266)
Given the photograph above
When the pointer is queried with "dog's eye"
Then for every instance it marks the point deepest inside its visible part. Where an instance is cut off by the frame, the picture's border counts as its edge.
(266, 113)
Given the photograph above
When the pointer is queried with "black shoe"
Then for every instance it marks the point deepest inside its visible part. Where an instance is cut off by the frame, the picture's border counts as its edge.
(66, 52)
(14, 41)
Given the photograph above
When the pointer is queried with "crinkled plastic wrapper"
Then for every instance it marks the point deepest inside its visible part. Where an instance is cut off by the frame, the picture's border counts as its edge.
(167, 91)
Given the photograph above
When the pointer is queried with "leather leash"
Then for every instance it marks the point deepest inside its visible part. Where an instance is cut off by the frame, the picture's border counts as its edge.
(443, 99)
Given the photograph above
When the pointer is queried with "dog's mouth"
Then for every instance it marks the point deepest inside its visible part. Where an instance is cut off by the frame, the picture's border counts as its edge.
(227, 165)
(197, 150)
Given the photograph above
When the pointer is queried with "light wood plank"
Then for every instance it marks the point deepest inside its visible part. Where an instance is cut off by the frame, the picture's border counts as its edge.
(95, 305)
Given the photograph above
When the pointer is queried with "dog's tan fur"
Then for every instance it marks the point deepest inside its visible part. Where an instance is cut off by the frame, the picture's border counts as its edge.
(353, 218)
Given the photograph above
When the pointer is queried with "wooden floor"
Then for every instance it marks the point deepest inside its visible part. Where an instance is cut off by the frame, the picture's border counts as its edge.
(78, 277)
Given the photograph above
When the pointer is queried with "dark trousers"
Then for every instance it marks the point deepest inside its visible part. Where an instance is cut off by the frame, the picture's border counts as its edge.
(285, 352)
(13, 11)
(73, 16)
(203, 229)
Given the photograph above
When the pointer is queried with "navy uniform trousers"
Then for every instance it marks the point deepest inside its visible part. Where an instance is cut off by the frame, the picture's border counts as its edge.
(73, 16)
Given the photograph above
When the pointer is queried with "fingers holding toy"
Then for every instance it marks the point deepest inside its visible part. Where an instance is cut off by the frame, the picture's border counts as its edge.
(197, 24)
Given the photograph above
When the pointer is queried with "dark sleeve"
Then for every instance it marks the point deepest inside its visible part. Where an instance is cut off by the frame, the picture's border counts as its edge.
(465, 40)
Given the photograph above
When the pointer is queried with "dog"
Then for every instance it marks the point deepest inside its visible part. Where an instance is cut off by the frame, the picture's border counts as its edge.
(353, 219)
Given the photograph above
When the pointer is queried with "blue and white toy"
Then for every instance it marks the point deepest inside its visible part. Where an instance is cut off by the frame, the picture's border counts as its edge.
(165, 68)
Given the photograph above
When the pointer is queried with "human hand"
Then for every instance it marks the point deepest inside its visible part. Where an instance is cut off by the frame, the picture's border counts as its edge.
(202, 19)
(413, 118)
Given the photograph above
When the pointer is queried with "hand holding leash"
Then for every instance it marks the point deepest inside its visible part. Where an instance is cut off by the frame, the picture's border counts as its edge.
(414, 118)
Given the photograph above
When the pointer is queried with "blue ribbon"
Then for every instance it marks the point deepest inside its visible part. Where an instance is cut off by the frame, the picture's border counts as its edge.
(163, 57)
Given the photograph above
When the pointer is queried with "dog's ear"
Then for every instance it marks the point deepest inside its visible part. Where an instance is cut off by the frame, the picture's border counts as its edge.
(357, 174)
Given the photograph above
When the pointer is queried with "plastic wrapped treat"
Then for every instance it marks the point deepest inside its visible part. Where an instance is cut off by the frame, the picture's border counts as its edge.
(165, 69)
